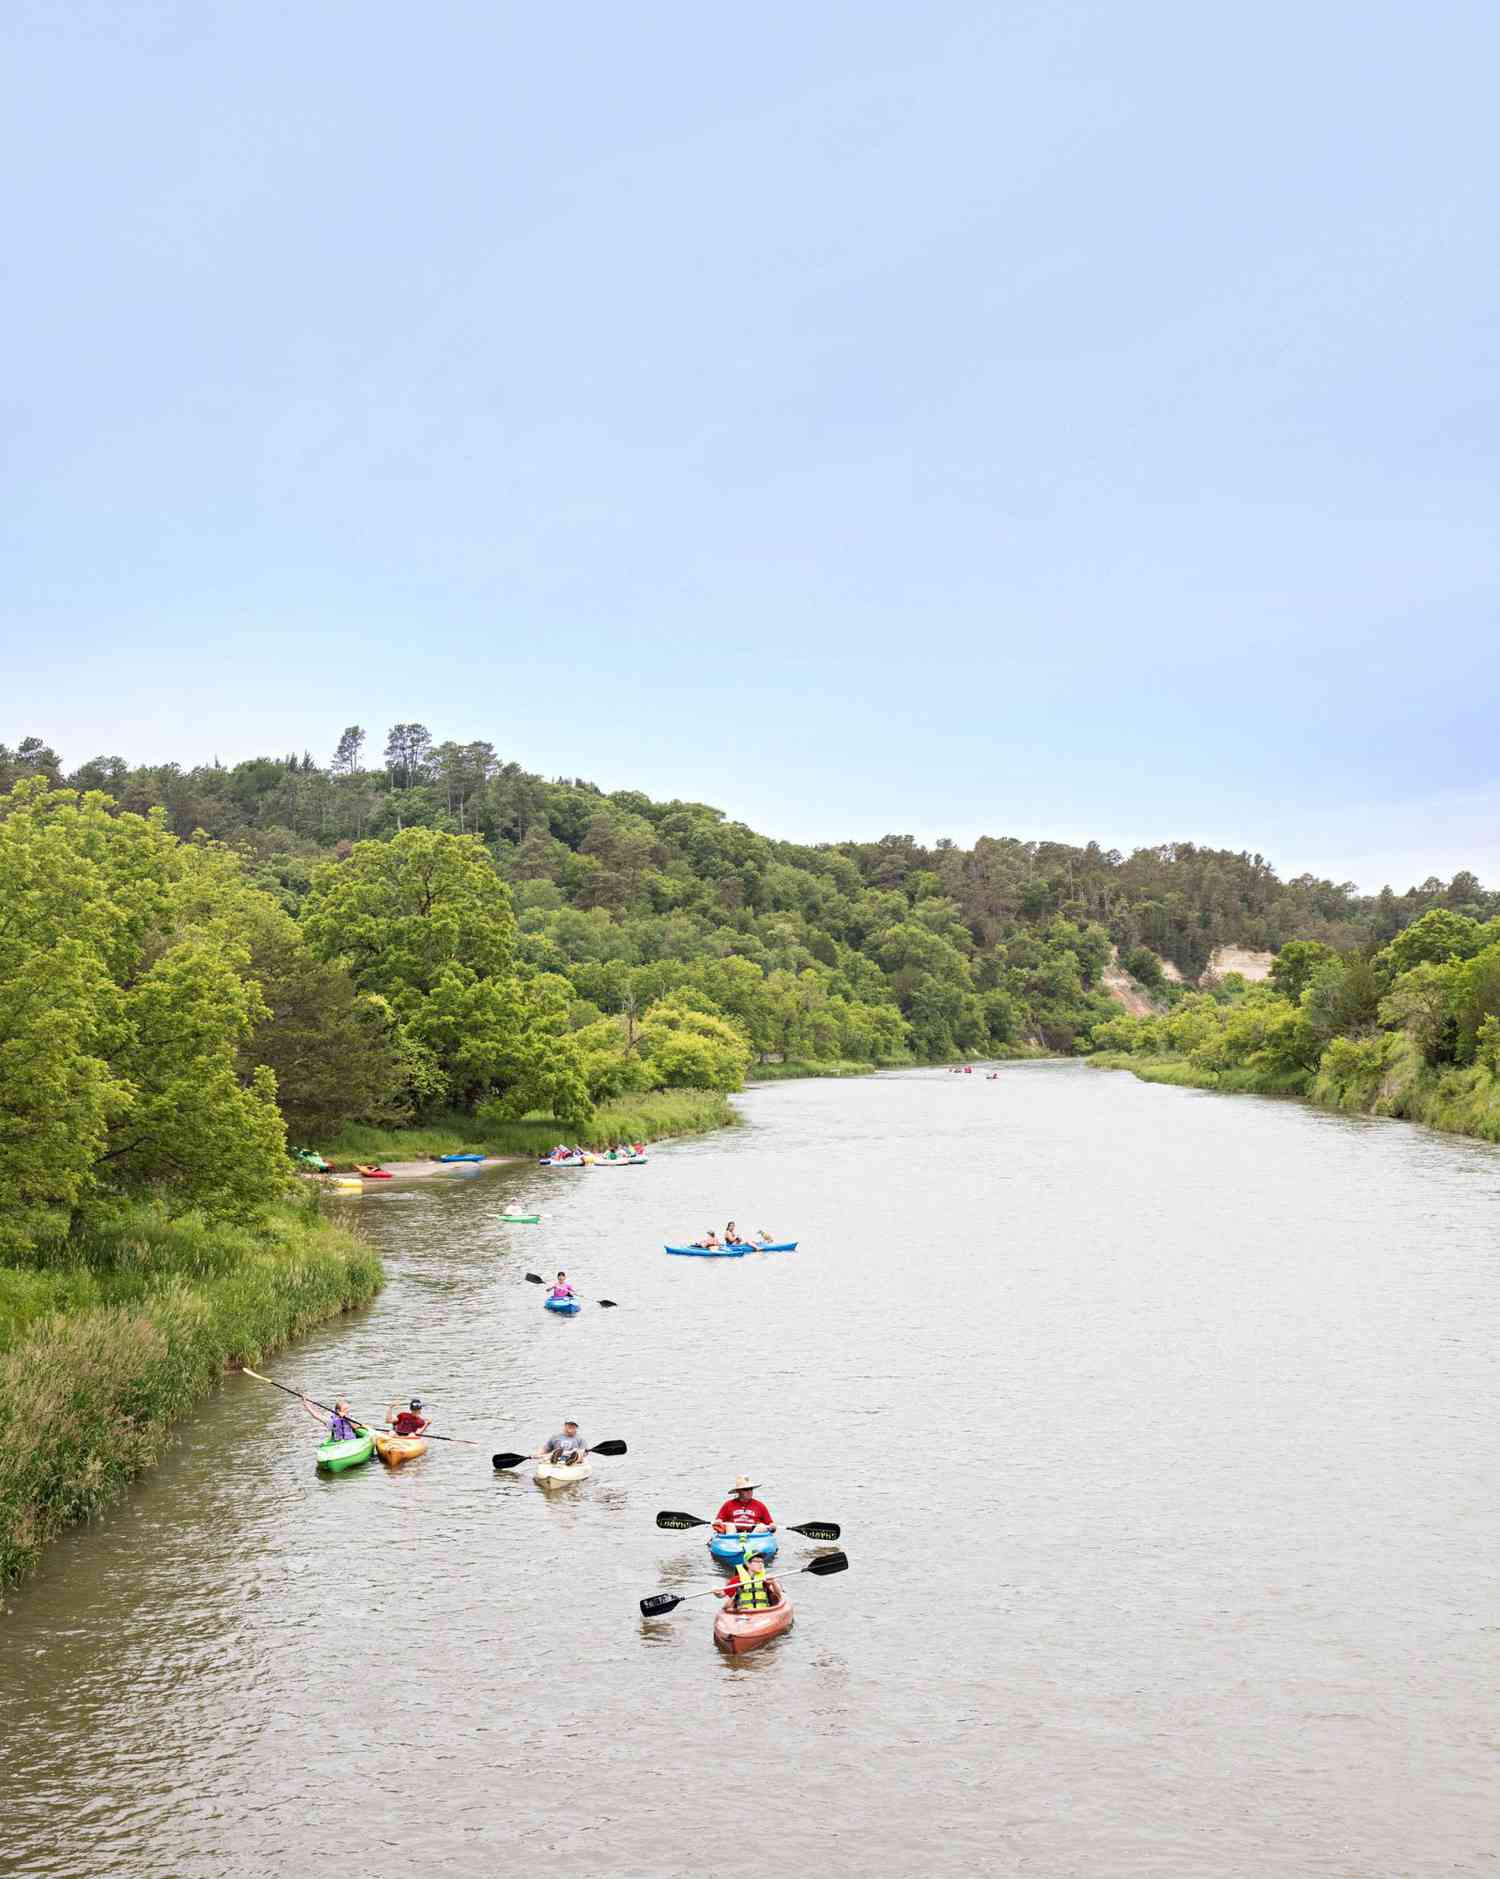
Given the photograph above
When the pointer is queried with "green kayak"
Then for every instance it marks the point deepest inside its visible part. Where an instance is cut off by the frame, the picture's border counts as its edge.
(337, 1456)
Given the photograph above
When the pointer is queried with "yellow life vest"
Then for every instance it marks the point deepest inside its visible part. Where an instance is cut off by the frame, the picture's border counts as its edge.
(754, 1594)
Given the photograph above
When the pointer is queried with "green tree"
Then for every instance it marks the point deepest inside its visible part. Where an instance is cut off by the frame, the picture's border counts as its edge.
(687, 1049)
(1293, 967)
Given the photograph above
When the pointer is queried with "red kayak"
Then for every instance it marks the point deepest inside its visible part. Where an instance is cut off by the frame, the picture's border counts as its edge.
(374, 1174)
(738, 1632)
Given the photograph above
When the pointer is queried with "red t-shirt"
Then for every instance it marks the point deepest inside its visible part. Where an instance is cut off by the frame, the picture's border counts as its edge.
(743, 1510)
(408, 1424)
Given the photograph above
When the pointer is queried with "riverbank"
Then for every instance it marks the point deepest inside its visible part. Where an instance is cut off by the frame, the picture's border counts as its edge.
(100, 1357)
(651, 1118)
(1376, 1076)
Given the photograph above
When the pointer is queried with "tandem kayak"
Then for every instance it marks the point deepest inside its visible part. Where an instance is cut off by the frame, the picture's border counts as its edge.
(395, 1449)
(738, 1632)
(562, 1161)
(732, 1549)
(733, 1252)
(335, 1457)
(565, 1305)
(460, 1157)
(557, 1474)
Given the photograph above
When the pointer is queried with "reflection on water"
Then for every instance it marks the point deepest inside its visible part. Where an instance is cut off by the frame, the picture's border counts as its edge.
(1160, 1426)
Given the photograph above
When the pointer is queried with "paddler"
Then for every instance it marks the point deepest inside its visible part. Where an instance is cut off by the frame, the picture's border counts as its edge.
(341, 1425)
(565, 1450)
(742, 1511)
(732, 1235)
(562, 1289)
(751, 1590)
(409, 1421)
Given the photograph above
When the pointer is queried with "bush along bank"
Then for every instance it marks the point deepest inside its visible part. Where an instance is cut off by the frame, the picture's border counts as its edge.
(1413, 1030)
(101, 1355)
(645, 1118)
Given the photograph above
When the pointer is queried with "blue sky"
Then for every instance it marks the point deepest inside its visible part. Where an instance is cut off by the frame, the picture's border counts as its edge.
(1048, 419)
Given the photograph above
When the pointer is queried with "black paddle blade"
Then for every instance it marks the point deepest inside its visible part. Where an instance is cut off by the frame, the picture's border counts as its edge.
(817, 1530)
(508, 1461)
(678, 1523)
(535, 1278)
(609, 1448)
(661, 1602)
(834, 1562)
(609, 1303)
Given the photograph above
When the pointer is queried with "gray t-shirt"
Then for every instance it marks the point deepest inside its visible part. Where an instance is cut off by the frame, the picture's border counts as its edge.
(567, 1446)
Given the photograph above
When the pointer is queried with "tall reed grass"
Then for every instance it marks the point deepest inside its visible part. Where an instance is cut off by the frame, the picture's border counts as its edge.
(98, 1359)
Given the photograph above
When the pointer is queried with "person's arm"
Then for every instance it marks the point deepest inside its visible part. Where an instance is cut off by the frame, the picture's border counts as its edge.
(316, 1414)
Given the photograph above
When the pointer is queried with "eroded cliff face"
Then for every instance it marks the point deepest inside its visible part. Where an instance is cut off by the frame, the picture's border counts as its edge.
(1131, 997)
(1250, 965)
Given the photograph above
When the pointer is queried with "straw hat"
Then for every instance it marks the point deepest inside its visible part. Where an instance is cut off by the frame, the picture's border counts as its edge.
(744, 1485)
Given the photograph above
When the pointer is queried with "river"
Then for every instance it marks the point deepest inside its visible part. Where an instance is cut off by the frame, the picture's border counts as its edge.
(1161, 1427)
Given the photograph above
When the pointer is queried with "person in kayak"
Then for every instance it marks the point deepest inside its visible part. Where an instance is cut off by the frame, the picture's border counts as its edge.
(732, 1236)
(751, 1590)
(742, 1511)
(562, 1289)
(409, 1421)
(565, 1450)
(341, 1425)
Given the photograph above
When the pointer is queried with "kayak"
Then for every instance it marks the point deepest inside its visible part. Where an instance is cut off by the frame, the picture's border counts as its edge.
(733, 1252)
(619, 1161)
(562, 1161)
(557, 1474)
(738, 1632)
(565, 1305)
(374, 1174)
(521, 1220)
(731, 1549)
(337, 1456)
(460, 1157)
(395, 1449)
(348, 1183)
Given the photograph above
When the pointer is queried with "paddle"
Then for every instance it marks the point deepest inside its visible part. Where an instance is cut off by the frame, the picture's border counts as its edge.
(600, 1448)
(812, 1529)
(462, 1440)
(662, 1602)
(535, 1278)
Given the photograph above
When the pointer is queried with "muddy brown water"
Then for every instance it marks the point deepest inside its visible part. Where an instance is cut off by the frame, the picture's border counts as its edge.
(1161, 1427)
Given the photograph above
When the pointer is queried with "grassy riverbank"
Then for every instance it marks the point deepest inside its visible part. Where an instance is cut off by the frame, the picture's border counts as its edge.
(101, 1355)
(649, 1118)
(1377, 1076)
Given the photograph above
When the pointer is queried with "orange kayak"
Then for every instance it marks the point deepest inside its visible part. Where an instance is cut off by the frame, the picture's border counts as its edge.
(738, 1632)
(395, 1449)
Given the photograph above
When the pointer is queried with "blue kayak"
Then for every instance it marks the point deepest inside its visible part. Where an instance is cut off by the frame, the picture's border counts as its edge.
(730, 1549)
(732, 1252)
(460, 1157)
(566, 1305)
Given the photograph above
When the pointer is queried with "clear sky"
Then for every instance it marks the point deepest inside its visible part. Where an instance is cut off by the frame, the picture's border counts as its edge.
(1051, 419)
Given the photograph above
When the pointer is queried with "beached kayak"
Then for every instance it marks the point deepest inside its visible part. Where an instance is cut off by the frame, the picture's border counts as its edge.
(554, 1474)
(374, 1174)
(521, 1220)
(738, 1632)
(460, 1157)
(565, 1305)
(732, 1252)
(395, 1449)
(732, 1549)
(335, 1457)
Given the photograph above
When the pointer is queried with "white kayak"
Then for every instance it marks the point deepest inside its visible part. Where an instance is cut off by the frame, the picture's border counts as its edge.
(553, 1474)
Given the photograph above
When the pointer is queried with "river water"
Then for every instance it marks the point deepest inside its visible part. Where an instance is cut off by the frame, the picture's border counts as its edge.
(1160, 1425)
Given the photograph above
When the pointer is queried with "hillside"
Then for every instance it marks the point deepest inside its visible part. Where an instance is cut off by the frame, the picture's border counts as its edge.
(838, 950)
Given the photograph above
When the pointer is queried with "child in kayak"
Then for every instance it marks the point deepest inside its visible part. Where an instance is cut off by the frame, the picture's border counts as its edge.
(742, 1511)
(562, 1289)
(341, 1425)
(410, 1421)
(750, 1590)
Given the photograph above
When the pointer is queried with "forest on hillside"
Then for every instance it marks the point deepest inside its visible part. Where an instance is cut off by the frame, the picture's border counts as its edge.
(863, 951)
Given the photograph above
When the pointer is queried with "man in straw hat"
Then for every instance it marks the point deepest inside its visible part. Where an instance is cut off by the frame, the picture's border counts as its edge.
(742, 1511)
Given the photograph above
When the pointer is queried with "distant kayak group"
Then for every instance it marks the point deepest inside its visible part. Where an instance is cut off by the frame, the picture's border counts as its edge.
(626, 1155)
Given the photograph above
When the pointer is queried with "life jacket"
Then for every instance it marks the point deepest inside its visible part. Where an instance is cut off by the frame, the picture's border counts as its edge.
(754, 1594)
